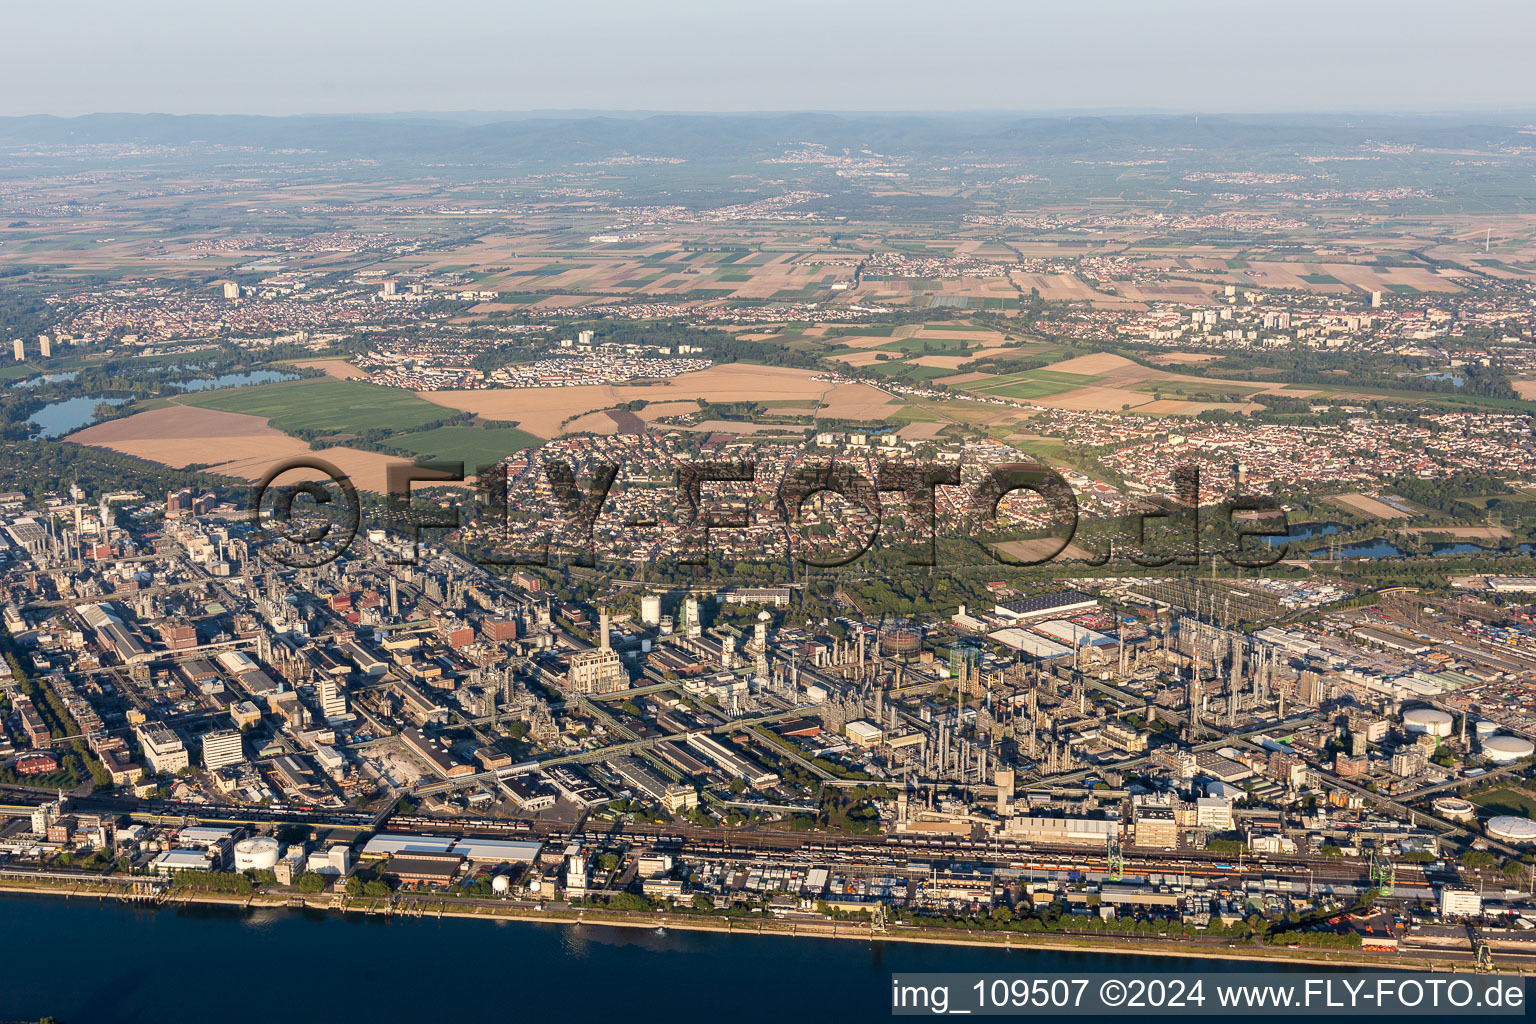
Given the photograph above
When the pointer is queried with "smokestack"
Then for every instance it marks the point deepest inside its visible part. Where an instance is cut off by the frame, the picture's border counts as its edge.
(602, 618)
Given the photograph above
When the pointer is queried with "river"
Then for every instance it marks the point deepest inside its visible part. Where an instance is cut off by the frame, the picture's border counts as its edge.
(90, 962)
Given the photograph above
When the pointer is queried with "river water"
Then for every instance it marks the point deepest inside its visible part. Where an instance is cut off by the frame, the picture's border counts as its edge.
(90, 962)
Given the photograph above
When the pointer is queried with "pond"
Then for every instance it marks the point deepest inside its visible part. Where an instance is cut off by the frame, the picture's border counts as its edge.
(1302, 531)
(232, 380)
(1361, 549)
(48, 378)
(70, 414)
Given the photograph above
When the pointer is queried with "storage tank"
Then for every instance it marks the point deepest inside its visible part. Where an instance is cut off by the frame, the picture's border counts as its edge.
(500, 884)
(1507, 749)
(1427, 722)
(650, 609)
(1453, 807)
(258, 854)
(1485, 728)
(901, 640)
(535, 884)
(1509, 828)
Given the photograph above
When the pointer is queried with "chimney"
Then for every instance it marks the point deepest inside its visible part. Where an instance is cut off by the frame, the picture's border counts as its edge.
(603, 627)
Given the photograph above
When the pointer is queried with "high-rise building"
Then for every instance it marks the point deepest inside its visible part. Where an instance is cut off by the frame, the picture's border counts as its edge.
(231, 290)
(20, 348)
(45, 345)
(333, 698)
(222, 748)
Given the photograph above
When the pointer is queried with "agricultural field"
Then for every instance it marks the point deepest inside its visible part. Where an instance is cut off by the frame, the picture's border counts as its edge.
(549, 412)
(472, 445)
(229, 444)
(324, 405)
(1362, 504)
(1031, 384)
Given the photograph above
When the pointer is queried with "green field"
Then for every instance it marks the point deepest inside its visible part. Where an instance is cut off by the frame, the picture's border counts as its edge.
(914, 414)
(1505, 801)
(327, 406)
(1320, 279)
(473, 446)
(908, 371)
(1032, 384)
(934, 346)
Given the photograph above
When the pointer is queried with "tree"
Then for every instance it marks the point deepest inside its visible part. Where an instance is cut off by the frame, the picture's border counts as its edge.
(310, 882)
(354, 886)
(1478, 859)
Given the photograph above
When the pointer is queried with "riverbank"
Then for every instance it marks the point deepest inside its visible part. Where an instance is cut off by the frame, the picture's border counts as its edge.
(413, 907)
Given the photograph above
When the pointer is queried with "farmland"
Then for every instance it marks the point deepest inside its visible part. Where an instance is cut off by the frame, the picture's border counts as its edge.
(471, 445)
(324, 405)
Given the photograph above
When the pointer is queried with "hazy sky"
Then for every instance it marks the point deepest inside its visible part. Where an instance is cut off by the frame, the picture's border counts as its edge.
(285, 56)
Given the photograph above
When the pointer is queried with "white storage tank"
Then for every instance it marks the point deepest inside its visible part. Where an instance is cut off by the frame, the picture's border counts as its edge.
(1509, 828)
(1507, 749)
(1485, 728)
(500, 884)
(1427, 722)
(257, 854)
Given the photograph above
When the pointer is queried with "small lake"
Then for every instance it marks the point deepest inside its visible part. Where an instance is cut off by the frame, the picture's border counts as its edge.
(1361, 549)
(70, 414)
(1460, 547)
(232, 380)
(1302, 531)
(49, 378)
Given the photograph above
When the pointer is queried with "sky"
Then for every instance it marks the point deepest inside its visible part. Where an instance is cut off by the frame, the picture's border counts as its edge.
(71, 57)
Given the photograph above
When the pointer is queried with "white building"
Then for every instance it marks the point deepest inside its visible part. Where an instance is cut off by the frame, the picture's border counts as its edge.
(1456, 902)
(222, 748)
(333, 698)
(1213, 813)
(163, 749)
(864, 733)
